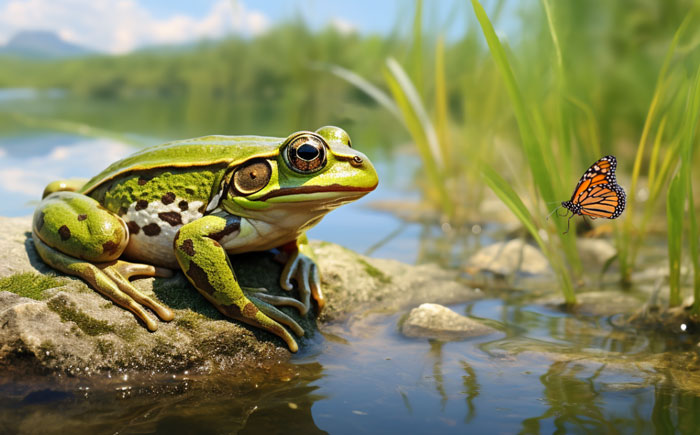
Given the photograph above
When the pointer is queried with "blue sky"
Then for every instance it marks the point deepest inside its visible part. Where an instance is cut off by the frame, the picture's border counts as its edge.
(120, 26)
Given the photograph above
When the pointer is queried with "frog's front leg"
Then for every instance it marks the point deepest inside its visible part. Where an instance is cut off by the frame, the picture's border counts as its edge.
(207, 266)
(301, 265)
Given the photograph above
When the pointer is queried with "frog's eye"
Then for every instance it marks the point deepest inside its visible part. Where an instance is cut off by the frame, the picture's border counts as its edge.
(306, 153)
(251, 177)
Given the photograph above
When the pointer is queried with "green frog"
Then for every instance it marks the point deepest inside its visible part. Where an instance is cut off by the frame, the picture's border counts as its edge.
(188, 204)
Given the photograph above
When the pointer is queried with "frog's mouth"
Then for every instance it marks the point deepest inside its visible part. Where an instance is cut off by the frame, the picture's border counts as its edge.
(315, 192)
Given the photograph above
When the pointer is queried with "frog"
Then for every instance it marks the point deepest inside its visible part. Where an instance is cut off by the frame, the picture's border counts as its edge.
(188, 205)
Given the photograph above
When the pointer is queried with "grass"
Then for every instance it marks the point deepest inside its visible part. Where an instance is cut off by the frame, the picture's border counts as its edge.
(560, 131)
(29, 284)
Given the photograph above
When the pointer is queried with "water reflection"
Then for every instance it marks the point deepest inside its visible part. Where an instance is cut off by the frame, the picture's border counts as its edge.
(273, 398)
(471, 390)
(574, 404)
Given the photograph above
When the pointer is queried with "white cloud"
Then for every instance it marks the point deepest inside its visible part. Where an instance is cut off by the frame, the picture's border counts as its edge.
(30, 176)
(121, 26)
(344, 27)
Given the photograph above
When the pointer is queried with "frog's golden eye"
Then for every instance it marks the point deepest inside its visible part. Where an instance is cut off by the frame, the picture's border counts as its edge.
(251, 177)
(306, 153)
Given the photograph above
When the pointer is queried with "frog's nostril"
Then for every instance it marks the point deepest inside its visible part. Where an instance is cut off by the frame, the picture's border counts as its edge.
(356, 161)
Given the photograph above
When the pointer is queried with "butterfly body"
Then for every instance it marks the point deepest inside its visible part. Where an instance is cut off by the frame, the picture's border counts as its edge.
(597, 193)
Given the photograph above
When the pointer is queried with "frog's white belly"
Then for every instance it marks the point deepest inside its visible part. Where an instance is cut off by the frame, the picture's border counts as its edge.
(152, 228)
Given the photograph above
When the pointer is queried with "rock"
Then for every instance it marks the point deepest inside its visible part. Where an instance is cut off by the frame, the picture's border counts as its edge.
(56, 323)
(508, 258)
(354, 283)
(439, 322)
(595, 251)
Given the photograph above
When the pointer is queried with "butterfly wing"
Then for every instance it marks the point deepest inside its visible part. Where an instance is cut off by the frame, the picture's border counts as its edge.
(600, 172)
(604, 200)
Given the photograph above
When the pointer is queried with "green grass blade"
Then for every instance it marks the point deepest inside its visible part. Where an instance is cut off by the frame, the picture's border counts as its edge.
(416, 111)
(681, 185)
(654, 160)
(532, 149)
(510, 198)
(441, 109)
(694, 250)
(421, 129)
(541, 168)
(365, 86)
(675, 204)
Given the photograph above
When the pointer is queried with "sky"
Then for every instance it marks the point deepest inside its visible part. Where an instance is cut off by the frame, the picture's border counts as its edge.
(121, 26)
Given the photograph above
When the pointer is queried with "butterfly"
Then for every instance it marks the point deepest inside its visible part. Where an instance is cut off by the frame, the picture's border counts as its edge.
(597, 193)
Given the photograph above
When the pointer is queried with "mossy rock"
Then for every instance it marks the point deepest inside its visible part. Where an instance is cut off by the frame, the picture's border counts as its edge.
(57, 323)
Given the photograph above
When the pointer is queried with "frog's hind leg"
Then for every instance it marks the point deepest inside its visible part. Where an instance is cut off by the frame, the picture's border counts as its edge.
(111, 280)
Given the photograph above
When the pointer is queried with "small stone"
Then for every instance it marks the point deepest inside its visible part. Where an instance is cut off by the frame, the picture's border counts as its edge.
(507, 258)
(595, 251)
(441, 323)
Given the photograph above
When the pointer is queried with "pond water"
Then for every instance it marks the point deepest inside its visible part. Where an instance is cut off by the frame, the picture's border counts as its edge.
(544, 371)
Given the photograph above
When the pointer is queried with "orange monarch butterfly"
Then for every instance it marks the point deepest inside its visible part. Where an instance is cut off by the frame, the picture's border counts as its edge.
(597, 193)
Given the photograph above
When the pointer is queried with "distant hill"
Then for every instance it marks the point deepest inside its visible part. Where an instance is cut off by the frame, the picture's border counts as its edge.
(39, 44)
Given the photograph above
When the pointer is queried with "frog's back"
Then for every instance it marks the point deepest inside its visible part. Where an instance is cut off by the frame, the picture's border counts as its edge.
(189, 153)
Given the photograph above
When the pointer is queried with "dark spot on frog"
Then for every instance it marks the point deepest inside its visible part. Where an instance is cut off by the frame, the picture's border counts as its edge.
(200, 279)
(82, 217)
(168, 198)
(39, 220)
(133, 227)
(122, 211)
(172, 217)
(144, 179)
(188, 247)
(183, 205)
(141, 204)
(189, 191)
(110, 247)
(151, 229)
(231, 226)
(202, 209)
(64, 232)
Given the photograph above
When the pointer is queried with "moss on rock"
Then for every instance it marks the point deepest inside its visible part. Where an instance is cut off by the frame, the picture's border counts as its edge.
(29, 284)
(87, 324)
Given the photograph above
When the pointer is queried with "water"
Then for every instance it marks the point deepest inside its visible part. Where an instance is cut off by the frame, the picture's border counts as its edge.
(553, 372)
(546, 371)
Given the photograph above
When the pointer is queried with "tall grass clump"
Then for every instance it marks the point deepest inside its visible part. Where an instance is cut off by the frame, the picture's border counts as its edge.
(419, 97)
(671, 119)
(536, 139)
(679, 199)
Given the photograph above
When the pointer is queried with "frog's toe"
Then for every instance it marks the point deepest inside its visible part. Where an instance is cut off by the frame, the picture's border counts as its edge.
(262, 294)
(120, 272)
(128, 270)
(273, 313)
(305, 271)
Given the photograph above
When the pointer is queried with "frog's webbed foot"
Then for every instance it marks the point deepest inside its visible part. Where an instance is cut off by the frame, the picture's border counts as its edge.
(304, 270)
(111, 279)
